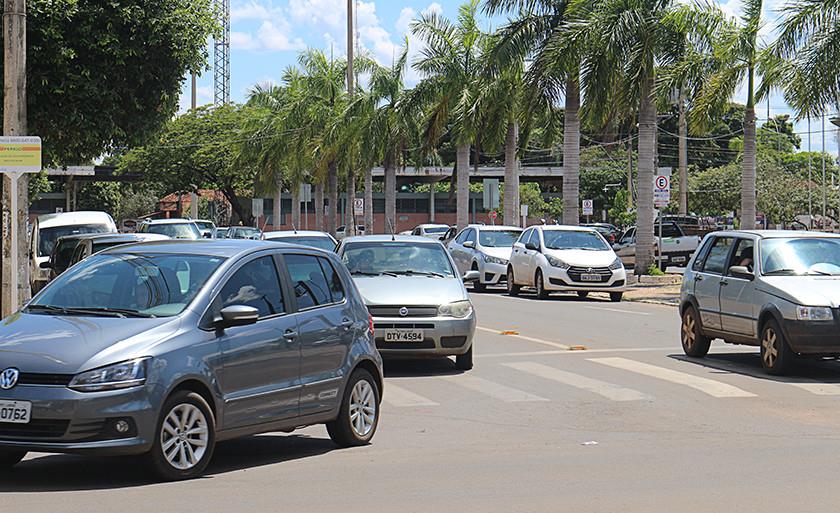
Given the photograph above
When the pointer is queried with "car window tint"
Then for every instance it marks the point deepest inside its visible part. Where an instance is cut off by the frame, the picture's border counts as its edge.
(669, 230)
(718, 255)
(701, 254)
(333, 280)
(535, 238)
(471, 235)
(743, 254)
(255, 284)
(308, 280)
(526, 235)
(461, 237)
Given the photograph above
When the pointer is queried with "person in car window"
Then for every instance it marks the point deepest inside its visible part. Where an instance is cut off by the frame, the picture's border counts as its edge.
(746, 258)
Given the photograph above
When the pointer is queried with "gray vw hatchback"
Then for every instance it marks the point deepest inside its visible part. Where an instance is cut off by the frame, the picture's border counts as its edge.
(165, 348)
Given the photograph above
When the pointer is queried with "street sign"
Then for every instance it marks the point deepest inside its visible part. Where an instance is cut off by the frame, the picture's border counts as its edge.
(493, 215)
(359, 207)
(305, 192)
(661, 191)
(588, 207)
(20, 154)
(523, 210)
(491, 193)
(257, 207)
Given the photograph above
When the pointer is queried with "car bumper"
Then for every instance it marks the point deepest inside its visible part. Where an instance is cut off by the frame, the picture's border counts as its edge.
(813, 338)
(493, 274)
(559, 280)
(442, 336)
(679, 258)
(63, 420)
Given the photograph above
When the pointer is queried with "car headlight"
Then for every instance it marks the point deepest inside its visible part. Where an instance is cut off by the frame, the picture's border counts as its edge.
(495, 260)
(119, 375)
(458, 309)
(556, 262)
(617, 265)
(813, 313)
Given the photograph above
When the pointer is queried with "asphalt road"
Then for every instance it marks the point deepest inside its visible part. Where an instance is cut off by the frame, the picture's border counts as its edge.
(622, 423)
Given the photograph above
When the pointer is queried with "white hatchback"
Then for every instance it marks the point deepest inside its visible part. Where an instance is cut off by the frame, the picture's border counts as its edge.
(565, 258)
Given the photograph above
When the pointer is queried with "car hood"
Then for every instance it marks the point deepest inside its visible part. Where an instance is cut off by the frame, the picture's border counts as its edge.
(497, 252)
(409, 290)
(583, 258)
(54, 344)
(804, 290)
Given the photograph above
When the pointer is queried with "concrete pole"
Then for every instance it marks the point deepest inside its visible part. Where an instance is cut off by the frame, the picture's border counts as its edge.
(193, 195)
(350, 47)
(432, 202)
(15, 259)
(277, 212)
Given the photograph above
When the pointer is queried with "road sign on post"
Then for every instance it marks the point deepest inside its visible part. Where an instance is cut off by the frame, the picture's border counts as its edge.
(661, 191)
(359, 207)
(523, 211)
(493, 215)
(491, 193)
(305, 192)
(588, 207)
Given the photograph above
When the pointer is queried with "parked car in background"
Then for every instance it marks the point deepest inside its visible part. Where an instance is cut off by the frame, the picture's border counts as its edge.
(485, 249)
(341, 231)
(164, 348)
(48, 228)
(94, 244)
(565, 258)
(172, 228)
(609, 231)
(676, 247)
(206, 227)
(778, 290)
(448, 236)
(432, 231)
(62, 254)
(221, 232)
(244, 232)
(415, 294)
(320, 240)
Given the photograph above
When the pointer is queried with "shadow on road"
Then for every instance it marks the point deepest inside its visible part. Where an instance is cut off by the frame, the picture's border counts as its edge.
(60, 472)
(749, 364)
(419, 367)
(566, 297)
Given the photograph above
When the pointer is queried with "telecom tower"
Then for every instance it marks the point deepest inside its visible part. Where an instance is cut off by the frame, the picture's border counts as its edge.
(221, 56)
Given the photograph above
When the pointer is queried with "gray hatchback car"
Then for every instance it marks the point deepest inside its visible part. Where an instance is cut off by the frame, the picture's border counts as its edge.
(165, 348)
(779, 290)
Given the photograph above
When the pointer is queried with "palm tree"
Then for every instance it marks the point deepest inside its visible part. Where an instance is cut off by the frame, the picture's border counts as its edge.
(451, 61)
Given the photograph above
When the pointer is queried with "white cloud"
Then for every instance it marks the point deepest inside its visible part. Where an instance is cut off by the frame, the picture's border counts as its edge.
(403, 23)
(254, 10)
(274, 38)
(319, 13)
(434, 7)
(243, 41)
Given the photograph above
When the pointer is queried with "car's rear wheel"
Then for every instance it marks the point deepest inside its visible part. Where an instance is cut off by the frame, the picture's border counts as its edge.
(512, 288)
(776, 354)
(583, 294)
(477, 286)
(539, 284)
(185, 437)
(358, 416)
(465, 361)
(10, 457)
(694, 343)
(616, 297)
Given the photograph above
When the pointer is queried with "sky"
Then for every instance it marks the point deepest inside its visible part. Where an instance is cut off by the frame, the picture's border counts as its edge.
(266, 36)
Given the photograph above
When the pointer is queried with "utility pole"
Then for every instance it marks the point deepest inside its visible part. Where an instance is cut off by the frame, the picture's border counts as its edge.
(350, 228)
(193, 195)
(15, 268)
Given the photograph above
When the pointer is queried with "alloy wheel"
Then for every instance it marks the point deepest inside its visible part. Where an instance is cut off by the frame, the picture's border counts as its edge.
(184, 436)
(688, 334)
(771, 347)
(362, 409)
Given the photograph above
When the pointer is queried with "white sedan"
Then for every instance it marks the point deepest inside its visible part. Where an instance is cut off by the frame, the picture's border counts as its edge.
(565, 258)
(430, 231)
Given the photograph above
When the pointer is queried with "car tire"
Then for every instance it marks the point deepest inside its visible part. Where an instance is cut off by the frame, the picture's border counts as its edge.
(512, 288)
(477, 286)
(539, 285)
(465, 361)
(352, 428)
(694, 343)
(10, 457)
(616, 297)
(186, 424)
(583, 294)
(776, 354)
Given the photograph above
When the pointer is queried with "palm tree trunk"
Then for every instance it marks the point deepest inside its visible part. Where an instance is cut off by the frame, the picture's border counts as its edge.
(511, 217)
(683, 156)
(350, 213)
(748, 172)
(571, 153)
(369, 200)
(390, 193)
(296, 206)
(319, 206)
(462, 206)
(647, 128)
(278, 197)
(332, 200)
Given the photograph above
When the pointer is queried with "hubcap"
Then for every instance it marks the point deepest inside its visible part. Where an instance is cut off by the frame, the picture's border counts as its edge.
(362, 408)
(184, 436)
(688, 331)
(770, 346)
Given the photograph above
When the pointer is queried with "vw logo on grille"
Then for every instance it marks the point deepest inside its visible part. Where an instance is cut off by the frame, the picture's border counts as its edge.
(9, 378)
(403, 311)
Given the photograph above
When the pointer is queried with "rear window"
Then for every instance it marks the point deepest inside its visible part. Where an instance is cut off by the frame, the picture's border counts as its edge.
(436, 229)
(47, 237)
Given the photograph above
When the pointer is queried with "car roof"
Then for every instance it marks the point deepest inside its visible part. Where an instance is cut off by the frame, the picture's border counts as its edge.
(776, 234)
(226, 248)
(71, 218)
(129, 237)
(494, 228)
(299, 233)
(391, 238)
(563, 227)
(176, 220)
(432, 225)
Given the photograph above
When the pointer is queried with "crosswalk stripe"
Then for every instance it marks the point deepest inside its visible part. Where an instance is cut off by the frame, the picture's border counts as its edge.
(819, 388)
(494, 390)
(705, 385)
(400, 397)
(602, 388)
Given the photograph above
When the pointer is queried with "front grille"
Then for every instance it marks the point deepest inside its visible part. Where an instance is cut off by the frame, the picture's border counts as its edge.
(37, 428)
(453, 341)
(603, 272)
(394, 311)
(425, 344)
(404, 325)
(31, 378)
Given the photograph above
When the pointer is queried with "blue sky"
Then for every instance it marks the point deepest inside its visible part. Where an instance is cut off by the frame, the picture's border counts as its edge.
(266, 36)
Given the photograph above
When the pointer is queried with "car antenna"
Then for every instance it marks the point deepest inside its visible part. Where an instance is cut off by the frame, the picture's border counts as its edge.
(391, 228)
(294, 228)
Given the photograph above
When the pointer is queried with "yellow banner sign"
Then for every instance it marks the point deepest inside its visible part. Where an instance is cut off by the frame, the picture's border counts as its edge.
(20, 154)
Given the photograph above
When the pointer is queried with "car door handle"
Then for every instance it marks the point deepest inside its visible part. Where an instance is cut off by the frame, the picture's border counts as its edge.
(724, 283)
(698, 278)
(290, 335)
(346, 324)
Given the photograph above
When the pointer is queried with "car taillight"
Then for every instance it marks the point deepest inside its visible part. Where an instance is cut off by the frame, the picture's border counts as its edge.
(370, 324)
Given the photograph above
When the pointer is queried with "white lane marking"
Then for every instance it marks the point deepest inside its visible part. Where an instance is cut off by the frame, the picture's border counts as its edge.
(400, 397)
(494, 390)
(819, 388)
(578, 352)
(523, 337)
(602, 388)
(617, 310)
(705, 385)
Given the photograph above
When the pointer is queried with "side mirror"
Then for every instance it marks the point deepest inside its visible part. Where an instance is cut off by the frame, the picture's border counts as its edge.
(740, 271)
(468, 244)
(46, 264)
(531, 246)
(208, 235)
(472, 275)
(237, 315)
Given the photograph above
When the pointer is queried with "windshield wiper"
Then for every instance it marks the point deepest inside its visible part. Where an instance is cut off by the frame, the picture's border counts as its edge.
(103, 311)
(373, 273)
(411, 272)
(781, 271)
(46, 308)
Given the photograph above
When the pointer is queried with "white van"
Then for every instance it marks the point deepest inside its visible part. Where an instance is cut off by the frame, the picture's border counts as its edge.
(49, 227)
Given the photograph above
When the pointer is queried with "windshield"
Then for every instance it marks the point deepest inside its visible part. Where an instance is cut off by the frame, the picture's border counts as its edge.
(398, 258)
(176, 231)
(311, 241)
(435, 229)
(157, 285)
(560, 239)
(48, 236)
(244, 233)
(204, 225)
(498, 238)
(800, 256)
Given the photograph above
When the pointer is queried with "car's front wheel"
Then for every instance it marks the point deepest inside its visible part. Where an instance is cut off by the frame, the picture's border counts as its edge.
(776, 354)
(465, 361)
(583, 294)
(512, 288)
(10, 457)
(358, 416)
(616, 297)
(539, 284)
(185, 437)
(694, 343)
(477, 286)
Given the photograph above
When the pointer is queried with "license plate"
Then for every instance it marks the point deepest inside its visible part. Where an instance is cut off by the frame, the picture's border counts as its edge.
(403, 335)
(678, 259)
(590, 277)
(15, 412)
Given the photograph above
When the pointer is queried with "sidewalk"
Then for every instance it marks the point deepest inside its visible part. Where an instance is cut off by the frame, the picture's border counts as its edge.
(662, 290)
